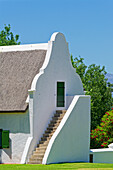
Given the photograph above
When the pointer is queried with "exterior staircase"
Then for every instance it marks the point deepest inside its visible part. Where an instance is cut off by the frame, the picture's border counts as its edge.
(39, 152)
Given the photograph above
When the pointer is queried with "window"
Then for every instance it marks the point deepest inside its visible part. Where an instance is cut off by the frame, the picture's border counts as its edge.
(4, 138)
(60, 94)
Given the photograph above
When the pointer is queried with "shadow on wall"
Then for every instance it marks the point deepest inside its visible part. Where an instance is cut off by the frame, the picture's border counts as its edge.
(16, 123)
(8, 151)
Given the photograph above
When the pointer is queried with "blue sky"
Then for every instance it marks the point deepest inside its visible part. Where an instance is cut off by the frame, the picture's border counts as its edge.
(86, 24)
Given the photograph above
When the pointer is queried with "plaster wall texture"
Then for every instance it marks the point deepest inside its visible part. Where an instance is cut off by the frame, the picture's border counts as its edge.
(57, 67)
(105, 156)
(18, 126)
(70, 142)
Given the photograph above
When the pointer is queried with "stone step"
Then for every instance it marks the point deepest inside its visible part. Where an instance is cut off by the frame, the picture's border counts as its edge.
(49, 131)
(54, 125)
(56, 118)
(44, 142)
(35, 161)
(36, 156)
(39, 152)
(45, 138)
(48, 134)
(61, 111)
(55, 121)
(51, 128)
(40, 148)
(57, 115)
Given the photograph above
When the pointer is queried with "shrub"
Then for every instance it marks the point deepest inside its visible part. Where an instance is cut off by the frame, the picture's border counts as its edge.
(102, 136)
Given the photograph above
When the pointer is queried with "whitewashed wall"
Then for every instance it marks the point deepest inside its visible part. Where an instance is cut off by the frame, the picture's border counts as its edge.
(26, 129)
(19, 128)
(102, 155)
(57, 67)
(70, 142)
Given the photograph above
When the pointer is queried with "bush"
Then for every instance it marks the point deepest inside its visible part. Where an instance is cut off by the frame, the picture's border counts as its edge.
(102, 136)
(95, 84)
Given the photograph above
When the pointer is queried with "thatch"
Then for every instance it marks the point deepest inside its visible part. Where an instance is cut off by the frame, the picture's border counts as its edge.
(17, 70)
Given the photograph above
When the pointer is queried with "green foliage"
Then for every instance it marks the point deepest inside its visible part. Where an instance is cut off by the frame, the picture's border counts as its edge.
(80, 67)
(102, 136)
(7, 37)
(95, 85)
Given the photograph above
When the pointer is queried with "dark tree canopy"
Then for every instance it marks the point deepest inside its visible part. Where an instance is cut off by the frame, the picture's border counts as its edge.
(95, 85)
(7, 37)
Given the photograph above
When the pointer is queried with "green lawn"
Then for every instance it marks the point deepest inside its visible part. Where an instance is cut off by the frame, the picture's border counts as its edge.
(57, 166)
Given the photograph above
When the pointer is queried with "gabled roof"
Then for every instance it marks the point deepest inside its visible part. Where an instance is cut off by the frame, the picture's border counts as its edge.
(17, 71)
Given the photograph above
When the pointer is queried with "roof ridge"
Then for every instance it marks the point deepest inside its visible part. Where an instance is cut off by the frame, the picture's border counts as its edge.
(24, 47)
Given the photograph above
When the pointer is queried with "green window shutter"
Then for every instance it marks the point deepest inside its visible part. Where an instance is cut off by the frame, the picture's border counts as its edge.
(60, 94)
(0, 138)
(5, 139)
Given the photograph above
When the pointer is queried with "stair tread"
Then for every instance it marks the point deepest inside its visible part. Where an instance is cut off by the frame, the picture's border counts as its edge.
(34, 157)
(41, 147)
(38, 154)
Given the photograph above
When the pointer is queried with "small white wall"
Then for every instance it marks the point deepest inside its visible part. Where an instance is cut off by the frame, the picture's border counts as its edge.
(57, 67)
(70, 142)
(102, 155)
(19, 128)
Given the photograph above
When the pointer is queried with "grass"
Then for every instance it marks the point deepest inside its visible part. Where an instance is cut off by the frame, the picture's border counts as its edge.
(67, 166)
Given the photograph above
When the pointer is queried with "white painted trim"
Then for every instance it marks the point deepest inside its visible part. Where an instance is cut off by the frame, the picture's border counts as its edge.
(62, 123)
(53, 37)
(110, 145)
(26, 150)
(25, 47)
(46, 62)
(47, 59)
(30, 139)
(101, 150)
(33, 88)
(27, 100)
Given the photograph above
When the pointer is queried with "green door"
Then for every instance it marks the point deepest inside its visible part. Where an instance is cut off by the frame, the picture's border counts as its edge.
(5, 139)
(0, 138)
(60, 94)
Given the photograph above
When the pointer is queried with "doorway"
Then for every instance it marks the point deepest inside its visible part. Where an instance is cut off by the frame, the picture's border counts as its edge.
(60, 94)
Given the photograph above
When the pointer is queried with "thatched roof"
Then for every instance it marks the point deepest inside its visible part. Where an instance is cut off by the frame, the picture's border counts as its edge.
(17, 70)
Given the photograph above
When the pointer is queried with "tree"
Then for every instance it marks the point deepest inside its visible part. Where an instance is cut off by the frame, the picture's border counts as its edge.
(7, 37)
(80, 67)
(102, 136)
(95, 85)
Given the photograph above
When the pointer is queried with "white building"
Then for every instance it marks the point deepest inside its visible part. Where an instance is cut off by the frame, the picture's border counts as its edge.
(42, 102)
